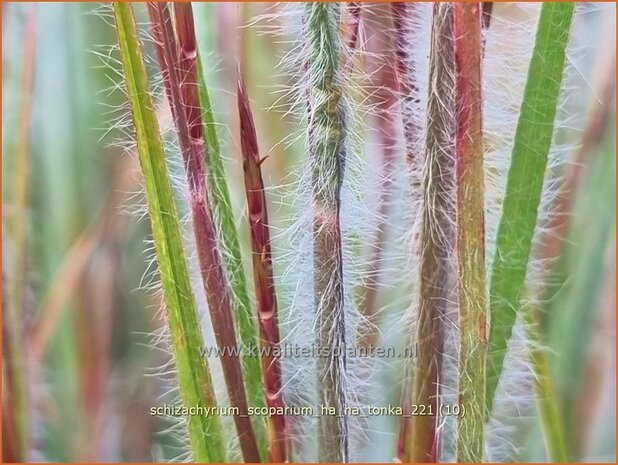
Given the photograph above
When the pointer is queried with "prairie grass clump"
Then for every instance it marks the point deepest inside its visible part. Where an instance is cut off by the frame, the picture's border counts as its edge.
(361, 222)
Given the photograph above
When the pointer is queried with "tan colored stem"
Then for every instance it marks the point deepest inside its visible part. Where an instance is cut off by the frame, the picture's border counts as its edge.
(471, 274)
(435, 292)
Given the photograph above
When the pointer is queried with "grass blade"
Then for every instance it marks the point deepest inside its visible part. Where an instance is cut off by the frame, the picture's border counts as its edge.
(262, 275)
(193, 374)
(525, 181)
(469, 181)
(327, 132)
(554, 422)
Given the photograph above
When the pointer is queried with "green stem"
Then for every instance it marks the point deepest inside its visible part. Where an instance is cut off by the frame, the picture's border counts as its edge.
(194, 378)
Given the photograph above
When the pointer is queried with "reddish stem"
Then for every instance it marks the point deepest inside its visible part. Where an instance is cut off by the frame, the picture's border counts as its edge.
(470, 225)
(180, 72)
(262, 274)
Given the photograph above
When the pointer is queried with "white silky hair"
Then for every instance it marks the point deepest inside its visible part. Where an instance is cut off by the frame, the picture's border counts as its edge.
(508, 47)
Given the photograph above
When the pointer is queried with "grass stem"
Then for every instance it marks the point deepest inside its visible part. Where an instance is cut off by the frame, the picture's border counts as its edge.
(16, 368)
(327, 152)
(262, 275)
(435, 264)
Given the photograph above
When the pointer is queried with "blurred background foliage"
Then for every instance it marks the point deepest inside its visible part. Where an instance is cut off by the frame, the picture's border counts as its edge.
(86, 321)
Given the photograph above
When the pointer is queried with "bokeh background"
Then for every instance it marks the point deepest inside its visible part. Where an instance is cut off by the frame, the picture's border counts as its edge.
(74, 260)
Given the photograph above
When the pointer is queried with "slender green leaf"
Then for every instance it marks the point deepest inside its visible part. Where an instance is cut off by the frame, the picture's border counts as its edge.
(193, 374)
(525, 181)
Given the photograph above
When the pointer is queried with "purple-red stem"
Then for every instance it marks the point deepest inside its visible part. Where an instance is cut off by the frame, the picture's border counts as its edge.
(180, 71)
(262, 275)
